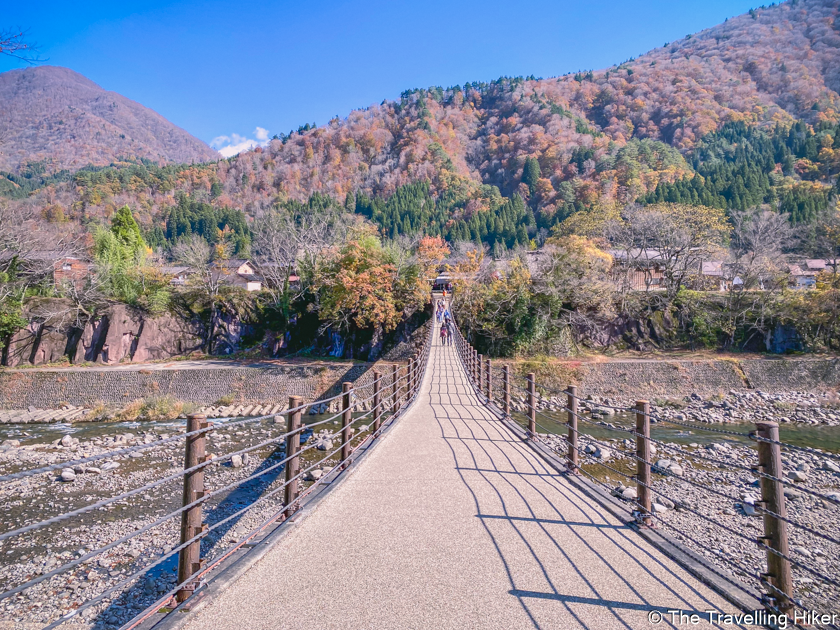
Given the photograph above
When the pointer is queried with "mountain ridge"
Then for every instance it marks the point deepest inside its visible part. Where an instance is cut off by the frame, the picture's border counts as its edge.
(58, 117)
(610, 136)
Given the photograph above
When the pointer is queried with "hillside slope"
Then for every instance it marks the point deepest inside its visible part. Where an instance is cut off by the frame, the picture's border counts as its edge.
(57, 116)
(618, 134)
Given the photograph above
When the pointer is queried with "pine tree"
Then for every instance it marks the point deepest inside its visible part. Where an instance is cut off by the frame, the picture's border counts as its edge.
(531, 174)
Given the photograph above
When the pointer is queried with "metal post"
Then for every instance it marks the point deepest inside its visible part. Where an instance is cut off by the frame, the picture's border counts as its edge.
(572, 406)
(395, 401)
(480, 377)
(377, 412)
(292, 451)
(506, 379)
(346, 417)
(489, 381)
(643, 460)
(775, 529)
(532, 406)
(189, 558)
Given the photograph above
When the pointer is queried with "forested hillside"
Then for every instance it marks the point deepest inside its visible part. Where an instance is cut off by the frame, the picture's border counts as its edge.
(53, 119)
(743, 113)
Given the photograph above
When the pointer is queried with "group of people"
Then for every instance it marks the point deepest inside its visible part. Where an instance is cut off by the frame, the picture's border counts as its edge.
(444, 318)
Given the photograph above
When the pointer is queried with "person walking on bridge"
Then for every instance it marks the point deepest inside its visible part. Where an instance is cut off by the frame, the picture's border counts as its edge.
(443, 332)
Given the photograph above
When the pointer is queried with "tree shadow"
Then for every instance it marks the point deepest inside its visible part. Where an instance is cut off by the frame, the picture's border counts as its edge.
(556, 546)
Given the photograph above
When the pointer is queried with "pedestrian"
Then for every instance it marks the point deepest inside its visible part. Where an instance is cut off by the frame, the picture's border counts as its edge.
(449, 333)
(443, 335)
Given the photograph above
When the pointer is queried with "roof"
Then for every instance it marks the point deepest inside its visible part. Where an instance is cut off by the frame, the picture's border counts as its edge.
(231, 263)
(711, 267)
(175, 271)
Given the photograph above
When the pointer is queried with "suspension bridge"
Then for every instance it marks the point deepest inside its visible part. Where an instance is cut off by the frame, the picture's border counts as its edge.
(447, 515)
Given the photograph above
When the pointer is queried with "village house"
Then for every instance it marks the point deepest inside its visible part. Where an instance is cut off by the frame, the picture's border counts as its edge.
(71, 270)
(235, 272)
(803, 274)
(638, 269)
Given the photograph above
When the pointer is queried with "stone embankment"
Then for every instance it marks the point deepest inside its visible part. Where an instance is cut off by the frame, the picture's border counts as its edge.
(45, 389)
(664, 379)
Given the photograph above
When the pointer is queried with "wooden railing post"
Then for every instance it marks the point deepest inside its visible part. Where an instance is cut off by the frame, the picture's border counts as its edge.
(775, 529)
(377, 411)
(346, 418)
(195, 453)
(489, 381)
(475, 365)
(410, 385)
(479, 381)
(643, 460)
(532, 405)
(572, 406)
(395, 401)
(290, 493)
(506, 380)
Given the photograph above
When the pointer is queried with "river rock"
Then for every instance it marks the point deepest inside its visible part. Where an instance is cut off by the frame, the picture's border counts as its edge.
(628, 494)
(831, 467)
(236, 461)
(67, 475)
(314, 475)
(798, 476)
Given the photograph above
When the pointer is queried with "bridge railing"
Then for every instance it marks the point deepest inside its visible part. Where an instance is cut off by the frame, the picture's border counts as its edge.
(392, 392)
(589, 456)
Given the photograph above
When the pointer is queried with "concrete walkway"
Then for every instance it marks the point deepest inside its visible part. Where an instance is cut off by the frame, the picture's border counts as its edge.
(451, 522)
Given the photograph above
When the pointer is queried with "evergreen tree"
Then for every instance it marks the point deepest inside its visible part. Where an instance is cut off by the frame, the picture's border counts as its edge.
(531, 173)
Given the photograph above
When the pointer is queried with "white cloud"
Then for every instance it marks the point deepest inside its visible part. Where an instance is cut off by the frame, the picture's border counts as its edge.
(233, 144)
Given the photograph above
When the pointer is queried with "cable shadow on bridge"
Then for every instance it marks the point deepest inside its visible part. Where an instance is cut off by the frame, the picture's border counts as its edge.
(554, 551)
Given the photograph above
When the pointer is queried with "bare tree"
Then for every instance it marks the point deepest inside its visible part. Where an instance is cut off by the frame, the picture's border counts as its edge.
(205, 278)
(288, 242)
(756, 271)
(14, 43)
(675, 238)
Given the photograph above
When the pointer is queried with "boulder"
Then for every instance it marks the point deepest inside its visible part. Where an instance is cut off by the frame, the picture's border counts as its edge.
(67, 475)
(628, 494)
(831, 467)
(166, 336)
(798, 476)
(236, 461)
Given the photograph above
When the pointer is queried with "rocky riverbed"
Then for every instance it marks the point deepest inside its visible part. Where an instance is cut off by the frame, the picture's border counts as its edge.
(45, 495)
(736, 406)
(696, 479)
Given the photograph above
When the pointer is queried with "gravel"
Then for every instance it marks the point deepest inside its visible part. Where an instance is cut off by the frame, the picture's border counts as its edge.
(33, 499)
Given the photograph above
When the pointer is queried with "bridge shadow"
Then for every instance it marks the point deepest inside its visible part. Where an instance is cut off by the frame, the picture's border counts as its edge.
(556, 548)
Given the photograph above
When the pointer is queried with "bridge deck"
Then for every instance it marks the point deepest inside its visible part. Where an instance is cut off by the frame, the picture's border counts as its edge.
(454, 523)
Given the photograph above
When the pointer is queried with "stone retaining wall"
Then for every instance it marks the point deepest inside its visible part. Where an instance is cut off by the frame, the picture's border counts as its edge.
(662, 379)
(49, 389)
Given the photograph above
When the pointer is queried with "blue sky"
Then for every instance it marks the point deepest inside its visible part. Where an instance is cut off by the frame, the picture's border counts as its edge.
(246, 70)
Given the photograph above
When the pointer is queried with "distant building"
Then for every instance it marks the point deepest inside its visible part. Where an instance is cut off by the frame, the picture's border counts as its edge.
(639, 269)
(179, 275)
(71, 270)
(235, 272)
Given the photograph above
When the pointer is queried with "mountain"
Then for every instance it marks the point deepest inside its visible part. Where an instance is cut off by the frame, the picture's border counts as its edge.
(746, 112)
(57, 117)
